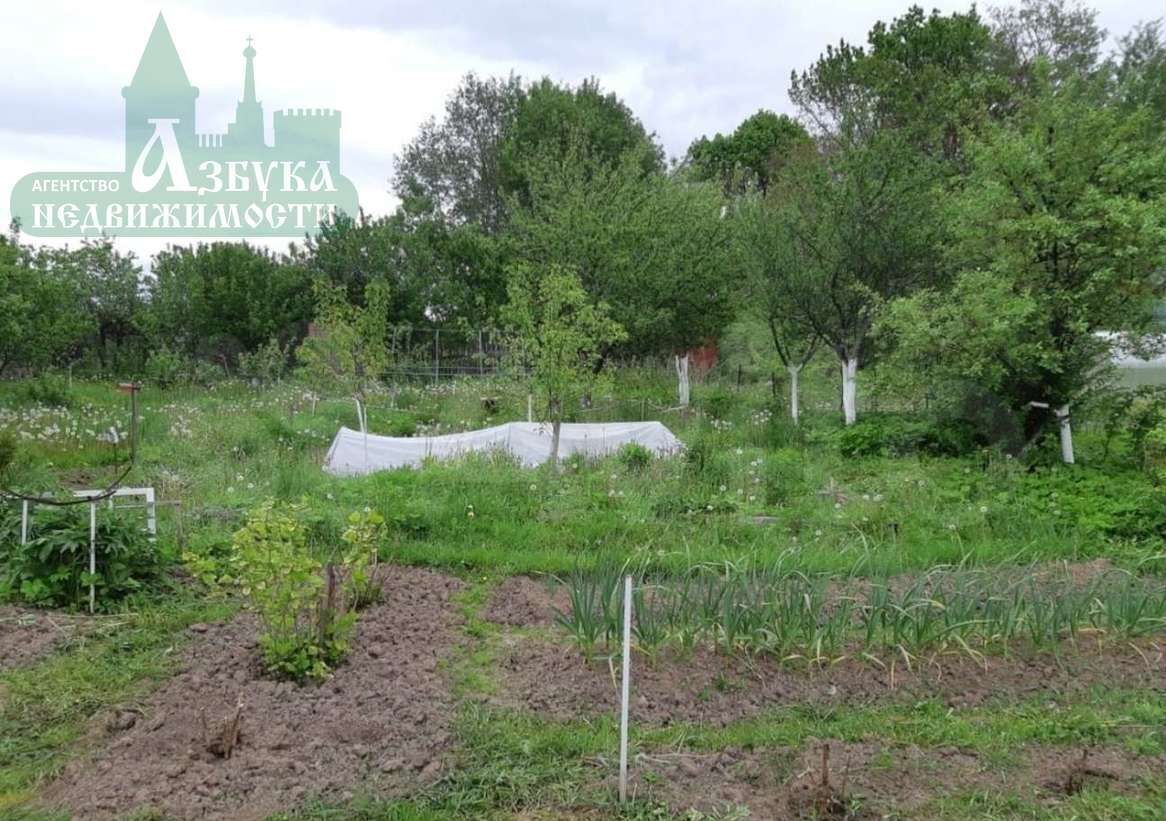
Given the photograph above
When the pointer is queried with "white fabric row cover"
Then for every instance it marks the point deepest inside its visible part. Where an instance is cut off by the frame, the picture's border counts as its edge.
(354, 453)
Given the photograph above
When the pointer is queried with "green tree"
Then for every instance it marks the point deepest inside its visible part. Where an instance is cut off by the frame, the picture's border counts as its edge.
(555, 122)
(220, 299)
(454, 163)
(1058, 237)
(44, 315)
(653, 248)
(774, 271)
(347, 348)
(748, 158)
(558, 333)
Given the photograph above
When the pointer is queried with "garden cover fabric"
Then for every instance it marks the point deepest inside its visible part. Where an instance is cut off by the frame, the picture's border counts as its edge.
(353, 453)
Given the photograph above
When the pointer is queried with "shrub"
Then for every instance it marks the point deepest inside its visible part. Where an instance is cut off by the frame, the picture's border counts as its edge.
(1124, 506)
(266, 364)
(48, 389)
(166, 367)
(634, 456)
(52, 569)
(894, 435)
(305, 630)
(784, 476)
(363, 536)
(720, 403)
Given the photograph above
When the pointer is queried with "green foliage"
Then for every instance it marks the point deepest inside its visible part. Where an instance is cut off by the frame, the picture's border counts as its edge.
(897, 435)
(784, 473)
(349, 350)
(1123, 506)
(49, 389)
(267, 364)
(52, 569)
(296, 598)
(634, 456)
(363, 536)
(558, 335)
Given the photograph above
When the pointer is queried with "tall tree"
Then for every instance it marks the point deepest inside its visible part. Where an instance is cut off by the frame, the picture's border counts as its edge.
(774, 273)
(748, 158)
(454, 163)
(555, 121)
(558, 334)
(1059, 238)
(653, 248)
(862, 220)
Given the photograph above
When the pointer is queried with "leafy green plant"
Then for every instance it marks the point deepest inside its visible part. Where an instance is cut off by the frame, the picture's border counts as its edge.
(305, 629)
(365, 531)
(634, 456)
(48, 389)
(52, 569)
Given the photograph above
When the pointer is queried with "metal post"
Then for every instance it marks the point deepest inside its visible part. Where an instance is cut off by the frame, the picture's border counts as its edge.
(623, 708)
(24, 521)
(437, 355)
(481, 356)
(92, 556)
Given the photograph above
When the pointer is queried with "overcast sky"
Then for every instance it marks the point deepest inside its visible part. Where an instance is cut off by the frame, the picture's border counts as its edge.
(686, 67)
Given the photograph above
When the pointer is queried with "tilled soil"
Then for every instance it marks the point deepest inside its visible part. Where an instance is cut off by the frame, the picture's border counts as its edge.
(28, 635)
(381, 722)
(704, 686)
(521, 601)
(870, 780)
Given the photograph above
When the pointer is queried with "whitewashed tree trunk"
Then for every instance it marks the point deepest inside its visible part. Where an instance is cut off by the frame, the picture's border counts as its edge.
(850, 390)
(1066, 435)
(556, 427)
(794, 372)
(682, 379)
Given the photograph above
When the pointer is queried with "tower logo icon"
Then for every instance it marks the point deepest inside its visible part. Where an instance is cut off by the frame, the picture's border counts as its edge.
(179, 182)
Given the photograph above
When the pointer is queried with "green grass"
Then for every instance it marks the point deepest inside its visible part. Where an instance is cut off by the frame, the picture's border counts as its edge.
(223, 450)
(47, 707)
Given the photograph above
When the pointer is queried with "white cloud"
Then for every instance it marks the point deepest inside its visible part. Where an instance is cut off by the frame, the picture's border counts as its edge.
(686, 68)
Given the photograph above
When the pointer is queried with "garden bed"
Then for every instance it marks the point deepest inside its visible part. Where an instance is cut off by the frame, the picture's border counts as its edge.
(381, 722)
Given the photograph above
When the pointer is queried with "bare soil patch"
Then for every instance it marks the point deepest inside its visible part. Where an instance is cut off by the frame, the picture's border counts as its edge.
(870, 780)
(521, 601)
(704, 686)
(381, 722)
(28, 635)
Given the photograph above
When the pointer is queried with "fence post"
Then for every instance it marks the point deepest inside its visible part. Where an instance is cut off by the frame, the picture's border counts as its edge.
(623, 707)
(92, 556)
(437, 355)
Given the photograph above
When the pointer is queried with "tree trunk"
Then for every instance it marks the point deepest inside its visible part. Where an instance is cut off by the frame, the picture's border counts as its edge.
(850, 389)
(1066, 434)
(682, 379)
(794, 371)
(556, 427)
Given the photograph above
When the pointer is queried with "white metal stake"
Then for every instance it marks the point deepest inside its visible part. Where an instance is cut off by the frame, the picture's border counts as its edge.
(92, 556)
(24, 521)
(627, 679)
(529, 408)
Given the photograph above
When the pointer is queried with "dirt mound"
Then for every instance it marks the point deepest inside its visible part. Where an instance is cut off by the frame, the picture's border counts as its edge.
(27, 635)
(381, 722)
(521, 601)
(704, 686)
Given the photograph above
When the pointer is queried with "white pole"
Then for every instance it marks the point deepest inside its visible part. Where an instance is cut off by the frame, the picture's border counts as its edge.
(92, 556)
(529, 407)
(24, 521)
(1066, 435)
(627, 678)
